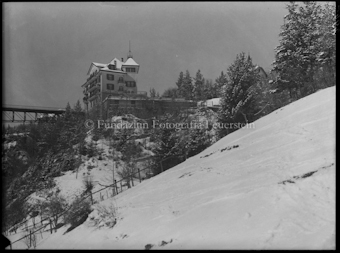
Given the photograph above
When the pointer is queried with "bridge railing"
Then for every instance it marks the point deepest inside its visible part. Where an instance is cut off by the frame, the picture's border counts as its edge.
(4, 106)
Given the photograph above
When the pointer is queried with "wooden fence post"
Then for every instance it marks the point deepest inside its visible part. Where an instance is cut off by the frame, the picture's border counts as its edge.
(51, 225)
(30, 237)
(140, 180)
(131, 176)
(121, 186)
(116, 186)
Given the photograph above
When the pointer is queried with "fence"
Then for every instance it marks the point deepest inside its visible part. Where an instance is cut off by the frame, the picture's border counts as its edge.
(115, 190)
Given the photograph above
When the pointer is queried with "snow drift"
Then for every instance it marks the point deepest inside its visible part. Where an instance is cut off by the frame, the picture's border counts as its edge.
(272, 187)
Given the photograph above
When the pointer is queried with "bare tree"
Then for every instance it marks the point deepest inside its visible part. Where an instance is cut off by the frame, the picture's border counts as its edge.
(54, 206)
(127, 172)
(89, 185)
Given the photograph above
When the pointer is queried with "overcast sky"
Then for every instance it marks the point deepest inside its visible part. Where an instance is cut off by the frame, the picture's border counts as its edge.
(48, 47)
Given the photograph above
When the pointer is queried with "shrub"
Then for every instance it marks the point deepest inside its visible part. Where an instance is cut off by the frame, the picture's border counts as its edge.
(95, 137)
(107, 214)
(91, 150)
(88, 185)
(126, 173)
(54, 206)
(16, 212)
(83, 150)
(78, 212)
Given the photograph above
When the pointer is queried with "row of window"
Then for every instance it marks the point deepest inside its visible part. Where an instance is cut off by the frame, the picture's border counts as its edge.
(112, 77)
(121, 79)
(111, 86)
(113, 67)
(130, 70)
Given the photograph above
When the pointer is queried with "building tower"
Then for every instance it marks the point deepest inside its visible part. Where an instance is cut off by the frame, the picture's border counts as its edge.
(129, 54)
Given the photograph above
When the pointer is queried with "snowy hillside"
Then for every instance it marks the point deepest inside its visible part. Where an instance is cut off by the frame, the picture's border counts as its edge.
(272, 187)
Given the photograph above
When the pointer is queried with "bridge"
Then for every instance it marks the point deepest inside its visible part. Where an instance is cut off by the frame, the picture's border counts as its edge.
(22, 113)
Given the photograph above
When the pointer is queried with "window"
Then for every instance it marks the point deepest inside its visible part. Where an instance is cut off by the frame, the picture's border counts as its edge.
(121, 80)
(110, 86)
(133, 102)
(110, 77)
(116, 102)
(121, 88)
(130, 84)
(130, 70)
(112, 67)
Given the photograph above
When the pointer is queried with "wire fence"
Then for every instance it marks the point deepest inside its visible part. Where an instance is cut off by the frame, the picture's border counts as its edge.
(117, 187)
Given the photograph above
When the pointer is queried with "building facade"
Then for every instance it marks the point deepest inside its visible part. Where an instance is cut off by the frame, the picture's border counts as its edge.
(113, 88)
(114, 79)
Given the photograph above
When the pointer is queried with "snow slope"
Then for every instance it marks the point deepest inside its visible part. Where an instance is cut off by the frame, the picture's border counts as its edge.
(272, 187)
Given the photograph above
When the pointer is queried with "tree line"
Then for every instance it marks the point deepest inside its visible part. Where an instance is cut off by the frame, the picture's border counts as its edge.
(304, 63)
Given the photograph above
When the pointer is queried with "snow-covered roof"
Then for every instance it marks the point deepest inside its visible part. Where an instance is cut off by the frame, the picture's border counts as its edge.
(118, 63)
(115, 61)
(99, 64)
(210, 102)
(111, 70)
(130, 62)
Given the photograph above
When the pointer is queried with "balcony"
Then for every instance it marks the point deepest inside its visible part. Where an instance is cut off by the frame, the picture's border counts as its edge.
(92, 75)
(121, 80)
(93, 97)
(93, 87)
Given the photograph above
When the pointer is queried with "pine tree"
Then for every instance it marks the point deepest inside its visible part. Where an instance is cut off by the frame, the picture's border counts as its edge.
(221, 81)
(187, 86)
(152, 92)
(326, 56)
(198, 89)
(211, 89)
(197, 141)
(169, 149)
(179, 84)
(302, 47)
(68, 111)
(238, 98)
(77, 107)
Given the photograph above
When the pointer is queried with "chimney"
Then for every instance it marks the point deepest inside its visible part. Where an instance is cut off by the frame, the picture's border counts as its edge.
(122, 59)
